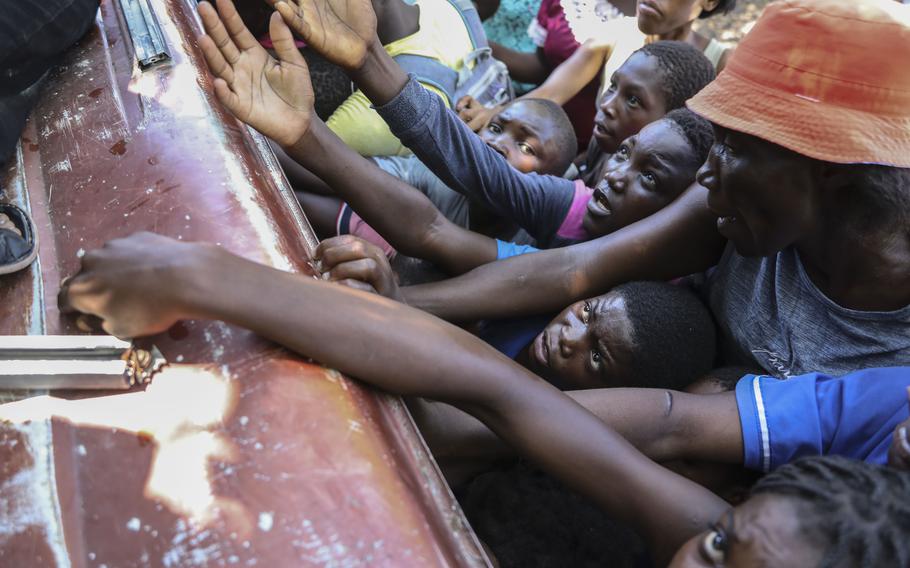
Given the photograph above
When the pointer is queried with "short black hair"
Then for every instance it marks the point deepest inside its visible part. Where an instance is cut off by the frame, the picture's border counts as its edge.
(684, 68)
(857, 513)
(563, 132)
(673, 333)
(722, 7)
(696, 129)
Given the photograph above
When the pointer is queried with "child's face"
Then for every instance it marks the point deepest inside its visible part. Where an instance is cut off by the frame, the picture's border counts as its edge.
(632, 100)
(659, 17)
(763, 531)
(523, 137)
(588, 345)
(645, 173)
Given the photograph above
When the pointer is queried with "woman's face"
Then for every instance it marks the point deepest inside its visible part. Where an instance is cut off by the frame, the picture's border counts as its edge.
(763, 531)
(588, 345)
(764, 195)
(660, 17)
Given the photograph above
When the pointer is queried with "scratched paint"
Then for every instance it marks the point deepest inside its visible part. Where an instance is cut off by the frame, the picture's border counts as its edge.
(28, 499)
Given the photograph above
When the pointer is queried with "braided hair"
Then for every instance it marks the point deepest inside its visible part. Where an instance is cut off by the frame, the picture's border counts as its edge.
(694, 128)
(684, 68)
(859, 513)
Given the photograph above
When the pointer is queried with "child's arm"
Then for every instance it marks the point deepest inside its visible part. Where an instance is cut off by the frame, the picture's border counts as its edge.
(538, 203)
(559, 86)
(680, 239)
(663, 425)
(403, 215)
(400, 213)
(573, 74)
(524, 66)
(398, 349)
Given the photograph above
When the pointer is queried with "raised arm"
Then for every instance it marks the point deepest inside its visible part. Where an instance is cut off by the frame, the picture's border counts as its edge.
(282, 109)
(680, 239)
(573, 74)
(403, 215)
(398, 349)
(434, 133)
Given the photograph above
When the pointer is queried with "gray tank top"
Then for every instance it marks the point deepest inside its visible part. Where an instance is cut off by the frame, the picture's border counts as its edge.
(770, 314)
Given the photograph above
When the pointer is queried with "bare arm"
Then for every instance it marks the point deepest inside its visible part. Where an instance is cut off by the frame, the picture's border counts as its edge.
(680, 239)
(572, 74)
(398, 349)
(404, 216)
(527, 67)
(282, 109)
(663, 425)
(559, 85)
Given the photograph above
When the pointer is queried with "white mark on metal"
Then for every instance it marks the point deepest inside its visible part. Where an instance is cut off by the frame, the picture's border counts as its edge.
(266, 520)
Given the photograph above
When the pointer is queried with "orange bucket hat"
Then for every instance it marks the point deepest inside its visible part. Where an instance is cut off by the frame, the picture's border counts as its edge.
(829, 79)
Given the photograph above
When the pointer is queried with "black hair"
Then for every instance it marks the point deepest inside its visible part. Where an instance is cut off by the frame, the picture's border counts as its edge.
(722, 7)
(695, 129)
(858, 514)
(684, 68)
(563, 132)
(673, 334)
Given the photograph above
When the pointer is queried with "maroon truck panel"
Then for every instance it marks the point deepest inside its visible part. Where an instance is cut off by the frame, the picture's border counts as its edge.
(239, 452)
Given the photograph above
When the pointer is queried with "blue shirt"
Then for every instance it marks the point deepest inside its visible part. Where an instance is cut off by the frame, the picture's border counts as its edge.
(814, 414)
(510, 336)
(508, 250)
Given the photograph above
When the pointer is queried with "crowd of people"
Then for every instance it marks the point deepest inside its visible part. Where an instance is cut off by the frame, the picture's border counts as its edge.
(667, 262)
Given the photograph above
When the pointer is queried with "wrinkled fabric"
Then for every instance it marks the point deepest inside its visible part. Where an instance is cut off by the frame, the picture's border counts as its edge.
(12, 247)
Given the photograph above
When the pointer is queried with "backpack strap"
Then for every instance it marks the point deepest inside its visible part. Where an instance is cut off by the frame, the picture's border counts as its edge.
(471, 19)
(431, 72)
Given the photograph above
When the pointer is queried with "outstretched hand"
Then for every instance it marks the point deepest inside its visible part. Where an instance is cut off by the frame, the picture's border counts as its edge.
(358, 264)
(340, 30)
(134, 285)
(273, 96)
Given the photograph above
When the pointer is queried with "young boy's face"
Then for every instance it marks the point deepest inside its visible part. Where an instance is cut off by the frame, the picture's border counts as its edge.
(646, 172)
(588, 345)
(524, 137)
(633, 99)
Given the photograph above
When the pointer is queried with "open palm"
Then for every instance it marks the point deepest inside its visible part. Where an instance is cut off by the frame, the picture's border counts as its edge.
(273, 96)
(340, 30)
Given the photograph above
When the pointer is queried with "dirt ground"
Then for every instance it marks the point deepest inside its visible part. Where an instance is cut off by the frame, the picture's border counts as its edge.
(733, 26)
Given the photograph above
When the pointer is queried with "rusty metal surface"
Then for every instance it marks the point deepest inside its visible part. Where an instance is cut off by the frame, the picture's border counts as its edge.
(239, 453)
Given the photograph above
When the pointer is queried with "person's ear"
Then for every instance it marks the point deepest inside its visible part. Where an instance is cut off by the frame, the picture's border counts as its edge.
(708, 5)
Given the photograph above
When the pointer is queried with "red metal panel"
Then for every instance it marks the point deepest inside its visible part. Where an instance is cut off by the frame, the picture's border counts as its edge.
(239, 453)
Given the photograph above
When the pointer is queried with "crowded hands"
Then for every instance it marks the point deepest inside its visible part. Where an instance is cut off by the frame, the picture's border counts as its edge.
(340, 30)
(358, 264)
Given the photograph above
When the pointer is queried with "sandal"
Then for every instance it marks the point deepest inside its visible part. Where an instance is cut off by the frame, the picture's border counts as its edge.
(19, 246)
